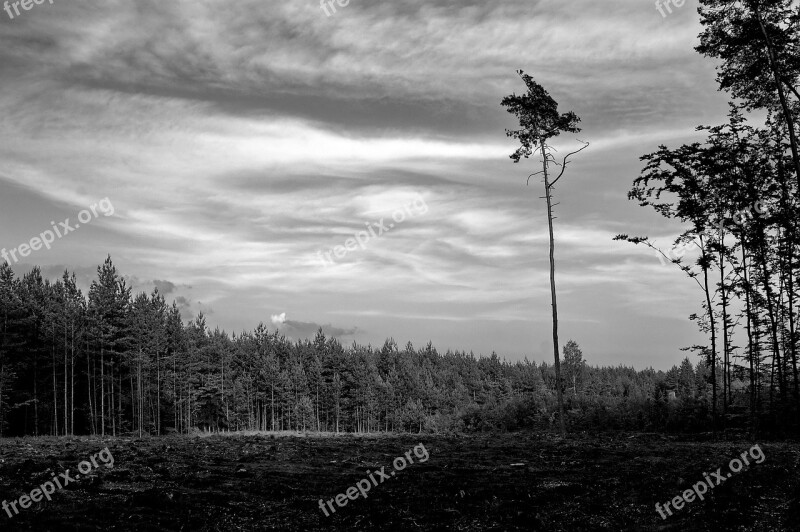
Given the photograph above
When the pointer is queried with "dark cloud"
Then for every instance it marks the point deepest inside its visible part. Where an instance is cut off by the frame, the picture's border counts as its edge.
(189, 309)
(165, 287)
(84, 275)
(301, 329)
(185, 308)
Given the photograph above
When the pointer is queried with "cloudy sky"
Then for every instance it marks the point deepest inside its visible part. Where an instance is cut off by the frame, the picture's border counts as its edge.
(241, 142)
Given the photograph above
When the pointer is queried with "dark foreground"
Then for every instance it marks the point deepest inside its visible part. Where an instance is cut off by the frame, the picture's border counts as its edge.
(600, 482)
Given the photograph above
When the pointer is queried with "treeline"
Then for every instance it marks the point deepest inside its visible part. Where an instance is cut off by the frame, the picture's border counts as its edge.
(736, 196)
(113, 363)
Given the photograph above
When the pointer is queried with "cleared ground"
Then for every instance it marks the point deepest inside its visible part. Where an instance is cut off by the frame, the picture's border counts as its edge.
(268, 482)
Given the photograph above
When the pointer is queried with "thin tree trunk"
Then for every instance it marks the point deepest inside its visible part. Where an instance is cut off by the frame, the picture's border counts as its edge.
(773, 322)
(111, 410)
(89, 387)
(781, 94)
(139, 394)
(222, 364)
(553, 287)
(725, 343)
(713, 326)
(175, 389)
(789, 237)
(72, 385)
(35, 393)
(55, 384)
(66, 378)
(750, 346)
(158, 394)
(102, 386)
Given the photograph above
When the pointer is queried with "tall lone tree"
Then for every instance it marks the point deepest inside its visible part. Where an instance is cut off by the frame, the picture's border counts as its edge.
(540, 121)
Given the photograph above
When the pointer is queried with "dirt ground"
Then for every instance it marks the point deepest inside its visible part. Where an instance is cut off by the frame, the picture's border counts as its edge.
(500, 482)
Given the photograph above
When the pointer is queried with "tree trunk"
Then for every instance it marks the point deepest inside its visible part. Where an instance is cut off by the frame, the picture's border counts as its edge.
(66, 378)
(553, 287)
(89, 387)
(781, 94)
(72, 384)
(55, 384)
(158, 394)
(102, 387)
(726, 391)
(750, 346)
(712, 325)
(772, 320)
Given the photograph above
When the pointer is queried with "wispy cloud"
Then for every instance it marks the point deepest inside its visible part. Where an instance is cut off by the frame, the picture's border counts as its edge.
(236, 139)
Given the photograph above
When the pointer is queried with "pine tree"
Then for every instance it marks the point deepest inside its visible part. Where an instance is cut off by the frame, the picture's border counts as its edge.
(540, 121)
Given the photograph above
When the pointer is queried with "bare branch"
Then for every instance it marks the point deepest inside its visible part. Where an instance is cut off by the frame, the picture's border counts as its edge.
(565, 162)
(676, 262)
(533, 174)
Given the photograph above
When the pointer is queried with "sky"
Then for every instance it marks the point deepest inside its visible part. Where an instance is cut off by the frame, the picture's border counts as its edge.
(233, 152)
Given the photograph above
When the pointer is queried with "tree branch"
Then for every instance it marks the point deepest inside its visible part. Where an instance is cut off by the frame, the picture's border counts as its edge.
(791, 88)
(533, 174)
(565, 162)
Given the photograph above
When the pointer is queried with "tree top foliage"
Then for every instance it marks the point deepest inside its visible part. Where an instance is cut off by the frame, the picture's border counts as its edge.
(538, 115)
(742, 34)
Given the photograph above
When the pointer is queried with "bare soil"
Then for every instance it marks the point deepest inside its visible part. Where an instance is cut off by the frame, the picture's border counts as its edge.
(498, 482)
